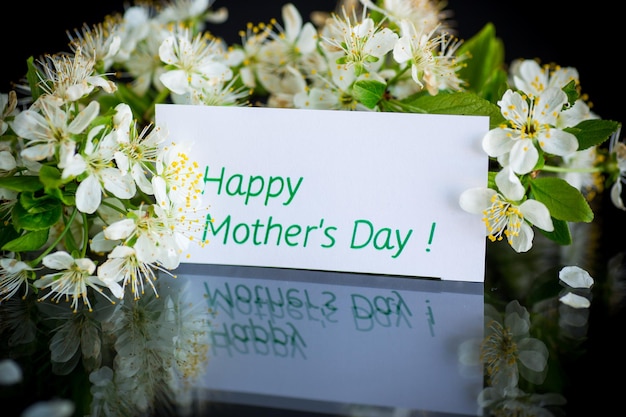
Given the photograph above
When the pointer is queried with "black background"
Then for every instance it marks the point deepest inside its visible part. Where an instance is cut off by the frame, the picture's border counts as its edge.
(589, 38)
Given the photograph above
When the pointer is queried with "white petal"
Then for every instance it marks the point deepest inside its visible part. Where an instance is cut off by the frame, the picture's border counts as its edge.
(80, 123)
(120, 230)
(74, 166)
(100, 244)
(176, 81)
(514, 107)
(575, 277)
(308, 39)
(616, 195)
(498, 141)
(524, 241)
(118, 184)
(58, 260)
(166, 51)
(559, 142)
(509, 184)
(524, 156)
(7, 161)
(537, 214)
(381, 43)
(548, 105)
(293, 21)
(88, 195)
(402, 50)
(575, 301)
(475, 200)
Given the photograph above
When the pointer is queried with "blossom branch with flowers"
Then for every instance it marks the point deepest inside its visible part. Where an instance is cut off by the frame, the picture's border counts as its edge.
(98, 201)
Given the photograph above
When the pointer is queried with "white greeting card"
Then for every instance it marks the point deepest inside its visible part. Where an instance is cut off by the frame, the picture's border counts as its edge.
(365, 192)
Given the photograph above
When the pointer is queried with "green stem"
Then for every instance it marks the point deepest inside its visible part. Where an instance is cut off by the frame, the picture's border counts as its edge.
(85, 235)
(551, 168)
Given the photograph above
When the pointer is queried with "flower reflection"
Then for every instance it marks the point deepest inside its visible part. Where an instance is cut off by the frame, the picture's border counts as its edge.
(138, 355)
(515, 402)
(520, 345)
(508, 350)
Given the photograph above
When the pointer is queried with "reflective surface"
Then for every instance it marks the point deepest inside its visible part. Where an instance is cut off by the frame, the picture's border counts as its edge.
(335, 343)
(225, 341)
(348, 344)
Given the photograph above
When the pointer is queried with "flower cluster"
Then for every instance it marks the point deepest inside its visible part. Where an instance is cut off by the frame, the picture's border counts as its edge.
(97, 201)
(515, 361)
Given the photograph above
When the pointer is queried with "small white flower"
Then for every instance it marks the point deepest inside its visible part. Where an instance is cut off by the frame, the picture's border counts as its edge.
(14, 275)
(531, 122)
(72, 77)
(362, 42)
(123, 265)
(431, 57)
(425, 14)
(287, 53)
(95, 161)
(195, 61)
(51, 128)
(527, 75)
(72, 282)
(503, 213)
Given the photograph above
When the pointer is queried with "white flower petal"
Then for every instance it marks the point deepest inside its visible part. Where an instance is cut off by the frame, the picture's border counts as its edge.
(524, 240)
(88, 195)
(58, 260)
(575, 277)
(118, 184)
(293, 21)
(616, 195)
(509, 184)
(475, 200)
(537, 214)
(548, 105)
(559, 142)
(120, 229)
(524, 156)
(86, 116)
(176, 81)
(498, 142)
(574, 300)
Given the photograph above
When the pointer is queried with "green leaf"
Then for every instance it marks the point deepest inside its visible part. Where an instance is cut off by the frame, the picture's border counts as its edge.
(21, 183)
(564, 201)
(29, 241)
(7, 233)
(593, 132)
(495, 86)
(571, 91)
(485, 56)
(561, 233)
(56, 187)
(37, 213)
(461, 103)
(50, 177)
(368, 92)
(34, 81)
